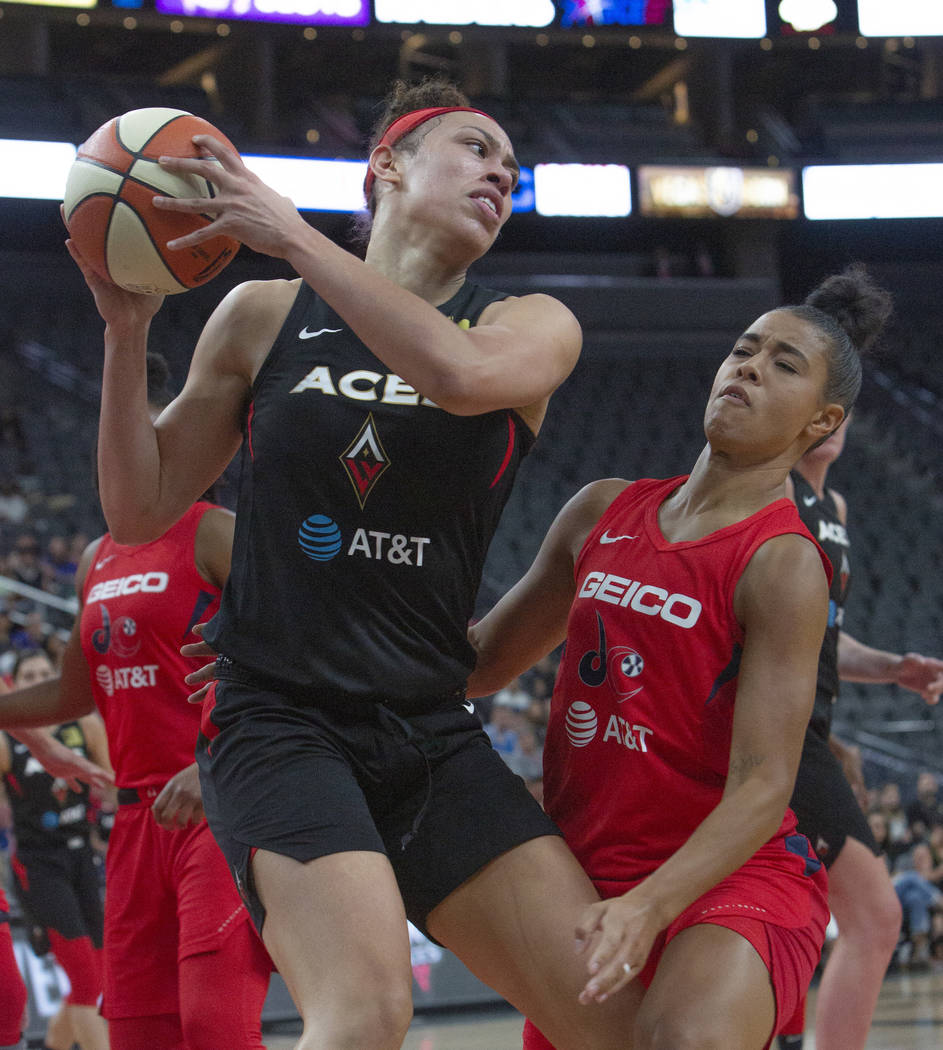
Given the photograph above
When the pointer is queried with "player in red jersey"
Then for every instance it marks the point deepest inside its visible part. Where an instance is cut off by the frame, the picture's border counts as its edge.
(183, 966)
(54, 864)
(693, 611)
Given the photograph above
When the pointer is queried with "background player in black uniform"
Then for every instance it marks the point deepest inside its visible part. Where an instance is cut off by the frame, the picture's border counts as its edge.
(861, 896)
(55, 874)
(382, 407)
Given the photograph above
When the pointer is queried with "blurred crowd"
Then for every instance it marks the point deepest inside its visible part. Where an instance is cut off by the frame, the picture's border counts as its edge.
(910, 834)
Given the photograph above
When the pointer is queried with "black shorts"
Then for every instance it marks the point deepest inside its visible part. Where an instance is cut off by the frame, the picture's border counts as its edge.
(61, 891)
(427, 790)
(825, 805)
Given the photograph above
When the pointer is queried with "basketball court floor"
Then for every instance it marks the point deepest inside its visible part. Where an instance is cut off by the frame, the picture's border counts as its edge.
(909, 1017)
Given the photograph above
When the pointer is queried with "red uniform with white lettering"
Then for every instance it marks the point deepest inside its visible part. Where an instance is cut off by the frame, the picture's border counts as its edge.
(140, 605)
(638, 741)
(170, 899)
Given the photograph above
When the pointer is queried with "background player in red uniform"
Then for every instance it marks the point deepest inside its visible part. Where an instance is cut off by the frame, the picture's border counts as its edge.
(183, 966)
(382, 407)
(694, 611)
(54, 866)
(827, 805)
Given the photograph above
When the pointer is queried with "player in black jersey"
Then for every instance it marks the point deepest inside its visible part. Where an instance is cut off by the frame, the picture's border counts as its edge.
(54, 869)
(382, 407)
(861, 895)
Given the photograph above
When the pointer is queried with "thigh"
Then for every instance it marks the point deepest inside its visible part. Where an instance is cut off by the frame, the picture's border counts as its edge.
(140, 957)
(513, 925)
(47, 893)
(711, 988)
(468, 810)
(335, 928)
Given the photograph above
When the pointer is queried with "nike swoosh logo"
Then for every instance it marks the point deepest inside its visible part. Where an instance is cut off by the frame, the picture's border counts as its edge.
(606, 538)
(469, 706)
(808, 500)
(101, 564)
(305, 334)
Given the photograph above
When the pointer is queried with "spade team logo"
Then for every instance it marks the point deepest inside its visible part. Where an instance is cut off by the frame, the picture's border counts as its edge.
(365, 460)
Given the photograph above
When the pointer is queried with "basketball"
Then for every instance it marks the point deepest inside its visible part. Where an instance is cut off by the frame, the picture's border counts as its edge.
(108, 209)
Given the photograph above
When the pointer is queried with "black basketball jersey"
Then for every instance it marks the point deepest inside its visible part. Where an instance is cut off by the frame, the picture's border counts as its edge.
(820, 517)
(363, 518)
(47, 814)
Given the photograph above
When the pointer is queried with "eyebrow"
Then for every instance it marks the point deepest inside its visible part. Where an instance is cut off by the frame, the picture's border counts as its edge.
(510, 160)
(781, 345)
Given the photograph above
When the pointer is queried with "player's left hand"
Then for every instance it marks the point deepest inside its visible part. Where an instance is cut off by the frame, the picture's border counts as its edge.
(244, 207)
(922, 674)
(615, 937)
(206, 675)
(180, 803)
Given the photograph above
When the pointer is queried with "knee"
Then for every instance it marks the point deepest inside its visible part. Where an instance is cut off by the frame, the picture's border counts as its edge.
(375, 1021)
(667, 1032)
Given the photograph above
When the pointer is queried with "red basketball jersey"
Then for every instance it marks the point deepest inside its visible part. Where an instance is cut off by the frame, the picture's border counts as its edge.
(638, 741)
(140, 605)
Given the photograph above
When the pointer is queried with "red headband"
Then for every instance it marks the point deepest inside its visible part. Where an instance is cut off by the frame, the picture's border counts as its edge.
(408, 122)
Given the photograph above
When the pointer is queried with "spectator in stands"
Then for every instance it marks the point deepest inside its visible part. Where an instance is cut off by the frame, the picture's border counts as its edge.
(926, 810)
(515, 696)
(59, 567)
(919, 898)
(24, 564)
(899, 836)
(13, 506)
(504, 725)
(32, 632)
(878, 825)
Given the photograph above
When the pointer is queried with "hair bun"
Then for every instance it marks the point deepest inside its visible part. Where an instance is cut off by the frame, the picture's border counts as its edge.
(855, 303)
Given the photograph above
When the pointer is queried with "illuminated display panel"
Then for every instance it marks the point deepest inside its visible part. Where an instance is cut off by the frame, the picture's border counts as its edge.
(873, 191)
(900, 17)
(301, 12)
(668, 191)
(536, 13)
(720, 18)
(55, 3)
(596, 13)
(585, 190)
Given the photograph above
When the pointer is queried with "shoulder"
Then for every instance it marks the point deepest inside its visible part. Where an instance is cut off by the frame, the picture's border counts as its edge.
(581, 513)
(242, 329)
(785, 574)
(85, 563)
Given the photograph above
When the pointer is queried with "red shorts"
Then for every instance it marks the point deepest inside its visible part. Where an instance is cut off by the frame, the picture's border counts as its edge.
(169, 896)
(789, 952)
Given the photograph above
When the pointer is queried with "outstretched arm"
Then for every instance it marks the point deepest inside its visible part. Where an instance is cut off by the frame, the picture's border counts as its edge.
(775, 690)
(858, 662)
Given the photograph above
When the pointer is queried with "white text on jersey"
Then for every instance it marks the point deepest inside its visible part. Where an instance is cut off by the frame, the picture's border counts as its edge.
(146, 583)
(361, 385)
(642, 598)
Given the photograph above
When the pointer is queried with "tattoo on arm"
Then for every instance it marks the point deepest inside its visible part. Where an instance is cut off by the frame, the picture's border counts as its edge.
(742, 766)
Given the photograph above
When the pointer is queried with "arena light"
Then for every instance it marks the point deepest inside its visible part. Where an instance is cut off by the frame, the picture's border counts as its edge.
(537, 13)
(900, 18)
(586, 190)
(873, 191)
(720, 18)
(300, 12)
(34, 170)
(806, 16)
(313, 185)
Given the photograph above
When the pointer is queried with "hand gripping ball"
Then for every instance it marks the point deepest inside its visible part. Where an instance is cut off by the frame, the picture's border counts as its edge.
(108, 208)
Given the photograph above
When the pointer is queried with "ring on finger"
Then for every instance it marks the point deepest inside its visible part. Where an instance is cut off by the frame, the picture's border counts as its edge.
(626, 969)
